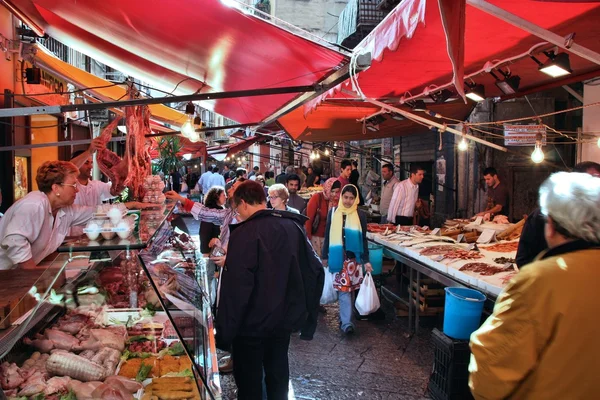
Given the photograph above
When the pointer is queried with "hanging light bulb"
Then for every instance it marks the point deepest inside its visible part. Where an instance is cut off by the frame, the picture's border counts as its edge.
(187, 129)
(463, 145)
(317, 155)
(598, 142)
(326, 152)
(538, 155)
(312, 155)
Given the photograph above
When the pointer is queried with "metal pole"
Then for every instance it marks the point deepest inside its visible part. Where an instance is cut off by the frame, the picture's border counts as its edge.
(412, 116)
(22, 111)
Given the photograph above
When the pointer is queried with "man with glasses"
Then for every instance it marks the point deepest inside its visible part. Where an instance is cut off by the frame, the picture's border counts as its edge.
(273, 279)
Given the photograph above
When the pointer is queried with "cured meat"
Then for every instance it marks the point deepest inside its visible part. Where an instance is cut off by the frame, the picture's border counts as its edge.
(138, 126)
(111, 164)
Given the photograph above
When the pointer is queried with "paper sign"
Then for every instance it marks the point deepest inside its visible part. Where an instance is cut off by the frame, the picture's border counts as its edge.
(473, 246)
(488, 236)
(436, 232)
(478, 221)
(460, 238)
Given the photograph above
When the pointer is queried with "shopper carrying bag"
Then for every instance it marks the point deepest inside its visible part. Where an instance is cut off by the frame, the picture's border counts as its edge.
(367, 300)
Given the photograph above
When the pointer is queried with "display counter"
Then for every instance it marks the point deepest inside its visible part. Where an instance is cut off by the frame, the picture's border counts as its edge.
(485, 267)
(128, 317)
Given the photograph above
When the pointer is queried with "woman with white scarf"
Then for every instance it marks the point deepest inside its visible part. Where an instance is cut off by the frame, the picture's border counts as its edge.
(345, 249)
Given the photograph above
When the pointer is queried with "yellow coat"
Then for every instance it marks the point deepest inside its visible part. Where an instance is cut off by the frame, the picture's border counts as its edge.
(543, 339)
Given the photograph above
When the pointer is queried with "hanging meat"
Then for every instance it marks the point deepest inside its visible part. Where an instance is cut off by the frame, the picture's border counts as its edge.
(130, 170)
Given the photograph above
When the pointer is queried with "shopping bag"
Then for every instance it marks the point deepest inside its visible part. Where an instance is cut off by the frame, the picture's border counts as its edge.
(367, 301)
(329, 294)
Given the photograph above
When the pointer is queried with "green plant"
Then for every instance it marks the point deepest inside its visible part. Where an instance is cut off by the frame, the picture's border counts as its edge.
(168, 147)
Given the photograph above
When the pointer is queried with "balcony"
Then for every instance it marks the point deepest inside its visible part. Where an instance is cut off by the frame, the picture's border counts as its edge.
(359, 18)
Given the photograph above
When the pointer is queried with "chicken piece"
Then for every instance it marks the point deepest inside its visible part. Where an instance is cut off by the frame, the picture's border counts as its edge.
(108, 338)
(82, 390)
(43, 345)
(74, 366)
(56, 384)
(129, 385)
(71, 327)
(10, 377)
(61, 340)
(111, 361)
(34, 385)
(88, 354)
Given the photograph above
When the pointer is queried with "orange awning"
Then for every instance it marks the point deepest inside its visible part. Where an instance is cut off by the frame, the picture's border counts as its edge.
(83, 79)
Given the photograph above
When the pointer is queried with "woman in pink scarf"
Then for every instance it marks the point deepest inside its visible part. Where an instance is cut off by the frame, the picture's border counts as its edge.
(320, 204)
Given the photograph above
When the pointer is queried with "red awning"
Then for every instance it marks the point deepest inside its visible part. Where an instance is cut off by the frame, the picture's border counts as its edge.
(420, 46)
(188, 46)
(230, 149)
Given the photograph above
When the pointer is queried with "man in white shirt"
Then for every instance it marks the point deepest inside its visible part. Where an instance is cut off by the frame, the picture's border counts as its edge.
(91, 193)
(216, 179)
(404, 199)
(387, 191)
(203, 182)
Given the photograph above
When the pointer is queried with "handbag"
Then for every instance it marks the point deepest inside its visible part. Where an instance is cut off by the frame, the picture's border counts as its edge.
(317, 220)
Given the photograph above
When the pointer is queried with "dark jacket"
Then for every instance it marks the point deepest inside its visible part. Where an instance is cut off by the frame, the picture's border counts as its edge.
(532, 241)
(363, 224)
(272, 279)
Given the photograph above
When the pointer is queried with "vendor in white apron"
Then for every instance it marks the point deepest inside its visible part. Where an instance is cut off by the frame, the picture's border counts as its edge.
(36, 225)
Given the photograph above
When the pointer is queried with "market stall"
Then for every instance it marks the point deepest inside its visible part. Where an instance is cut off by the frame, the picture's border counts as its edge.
(128, 317)
(486, 267)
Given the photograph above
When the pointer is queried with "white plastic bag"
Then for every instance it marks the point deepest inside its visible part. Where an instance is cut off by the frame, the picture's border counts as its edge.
(367, 301)
(329, 294)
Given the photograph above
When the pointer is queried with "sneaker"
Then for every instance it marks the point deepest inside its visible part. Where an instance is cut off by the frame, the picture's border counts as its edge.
(349, 330)
(305, 337)
(226, 365)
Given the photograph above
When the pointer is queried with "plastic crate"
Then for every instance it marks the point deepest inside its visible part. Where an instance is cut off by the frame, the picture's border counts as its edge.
(450, 376)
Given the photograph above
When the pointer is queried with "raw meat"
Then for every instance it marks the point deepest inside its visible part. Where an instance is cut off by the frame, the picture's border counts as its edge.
(129, 385)
(34, 385)
(111, 164)
(82, 390)
(9, 376)
(74, 366)
(56, 385)
(138, 126)
(61, 340)
(115, 391)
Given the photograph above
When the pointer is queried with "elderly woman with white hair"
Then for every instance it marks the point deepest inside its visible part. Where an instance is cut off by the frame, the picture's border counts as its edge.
(279, 196)
(541, 342)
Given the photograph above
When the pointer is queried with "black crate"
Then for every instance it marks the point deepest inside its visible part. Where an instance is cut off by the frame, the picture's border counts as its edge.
(450, 376)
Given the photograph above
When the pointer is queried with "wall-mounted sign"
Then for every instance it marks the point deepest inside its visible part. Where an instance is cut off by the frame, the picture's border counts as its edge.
(523, 135)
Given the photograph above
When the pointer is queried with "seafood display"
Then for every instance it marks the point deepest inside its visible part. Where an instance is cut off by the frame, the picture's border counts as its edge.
(503, 247)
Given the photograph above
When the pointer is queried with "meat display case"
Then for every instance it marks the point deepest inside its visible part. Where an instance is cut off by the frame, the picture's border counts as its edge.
(154, 268)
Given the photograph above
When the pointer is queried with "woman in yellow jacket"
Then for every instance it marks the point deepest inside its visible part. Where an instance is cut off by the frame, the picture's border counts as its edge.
(541, 342)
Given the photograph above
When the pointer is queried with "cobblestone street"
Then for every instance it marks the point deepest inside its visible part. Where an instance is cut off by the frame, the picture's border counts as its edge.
(380, 361)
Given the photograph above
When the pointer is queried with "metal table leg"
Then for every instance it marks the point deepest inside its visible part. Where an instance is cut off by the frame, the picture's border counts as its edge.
(418, 302)
(410, 303)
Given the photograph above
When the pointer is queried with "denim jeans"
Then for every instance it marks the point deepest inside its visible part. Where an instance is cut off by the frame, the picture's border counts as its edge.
(345, 302)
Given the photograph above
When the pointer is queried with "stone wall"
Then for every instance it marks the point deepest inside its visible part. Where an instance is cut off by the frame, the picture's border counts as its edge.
(318, 17)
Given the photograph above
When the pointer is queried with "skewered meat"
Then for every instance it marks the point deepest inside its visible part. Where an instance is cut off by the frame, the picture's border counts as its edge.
(74, 366)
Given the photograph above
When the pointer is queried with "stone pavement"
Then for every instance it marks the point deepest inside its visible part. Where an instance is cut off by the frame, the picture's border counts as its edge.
(380, 361)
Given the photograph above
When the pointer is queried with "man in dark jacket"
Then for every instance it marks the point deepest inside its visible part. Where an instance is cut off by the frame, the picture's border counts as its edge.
(267, 290)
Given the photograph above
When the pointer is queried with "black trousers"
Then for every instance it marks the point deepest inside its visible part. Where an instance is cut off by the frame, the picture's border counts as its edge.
(250, 355)
(403, 220)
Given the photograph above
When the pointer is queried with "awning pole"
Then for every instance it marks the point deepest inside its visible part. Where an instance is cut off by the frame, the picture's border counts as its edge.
(412, 116)
(535, 30)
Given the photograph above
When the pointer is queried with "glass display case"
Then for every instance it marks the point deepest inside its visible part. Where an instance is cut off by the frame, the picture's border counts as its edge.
(143, 301)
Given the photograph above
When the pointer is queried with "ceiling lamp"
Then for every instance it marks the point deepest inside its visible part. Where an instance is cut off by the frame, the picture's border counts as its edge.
(327, 150)
(476, 92)
(557, 65)
(397, 117)
(510, 83)
(538, 155)
(418, 105)
(463, 145)
(441, 96)
(187, 129)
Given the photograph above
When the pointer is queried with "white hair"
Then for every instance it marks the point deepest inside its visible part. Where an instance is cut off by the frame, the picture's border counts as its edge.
(573, 201)
(280, 190)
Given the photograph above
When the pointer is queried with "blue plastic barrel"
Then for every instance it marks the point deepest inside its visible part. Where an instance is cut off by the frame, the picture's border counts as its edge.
(462, 312)
(376, 258)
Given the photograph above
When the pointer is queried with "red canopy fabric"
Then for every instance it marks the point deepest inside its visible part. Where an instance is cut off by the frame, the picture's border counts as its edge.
(419, 46)
(187, 46)
(230, 149)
